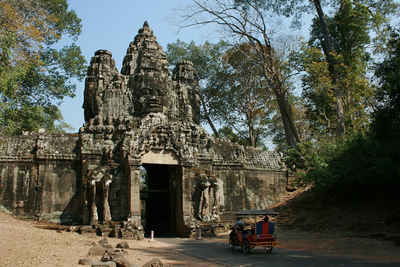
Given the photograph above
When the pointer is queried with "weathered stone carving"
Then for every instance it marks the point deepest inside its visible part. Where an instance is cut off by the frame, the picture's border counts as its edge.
(98, 83)
(187, 99)
(143, 116)
(205, 196)
(144, 85)
(98, 179)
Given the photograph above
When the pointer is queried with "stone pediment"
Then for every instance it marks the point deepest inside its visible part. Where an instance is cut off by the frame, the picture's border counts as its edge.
(161, 156)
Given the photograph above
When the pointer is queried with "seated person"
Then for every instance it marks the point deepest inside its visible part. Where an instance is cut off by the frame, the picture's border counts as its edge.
(239, 228)
(265, 227)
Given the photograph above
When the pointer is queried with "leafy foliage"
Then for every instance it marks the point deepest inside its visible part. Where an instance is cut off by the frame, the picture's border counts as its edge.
(355, 165)
(226, 132)
(248, 23)
(364, 164)
(334, 36)
(346, 73)
(233, 89)
(386, 124)
(244, 102)
(35, 76)
(296, 9)
(276, 131)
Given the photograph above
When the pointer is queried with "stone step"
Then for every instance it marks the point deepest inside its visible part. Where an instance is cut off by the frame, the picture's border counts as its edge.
(87, 230)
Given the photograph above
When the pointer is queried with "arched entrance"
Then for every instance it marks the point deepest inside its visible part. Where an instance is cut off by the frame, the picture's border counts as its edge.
(162, 196)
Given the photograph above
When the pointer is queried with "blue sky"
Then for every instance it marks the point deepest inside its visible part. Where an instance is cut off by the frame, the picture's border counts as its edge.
(112, 25)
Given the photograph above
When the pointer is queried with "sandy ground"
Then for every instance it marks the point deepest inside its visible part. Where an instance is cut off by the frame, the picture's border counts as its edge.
(23, 244)
(340, 244)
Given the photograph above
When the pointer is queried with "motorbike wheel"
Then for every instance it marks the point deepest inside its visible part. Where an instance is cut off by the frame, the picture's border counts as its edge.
(269, 249)
(231, 243)
(246, 246)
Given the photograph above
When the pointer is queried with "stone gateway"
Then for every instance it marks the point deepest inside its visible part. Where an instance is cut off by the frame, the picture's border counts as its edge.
(142, 118)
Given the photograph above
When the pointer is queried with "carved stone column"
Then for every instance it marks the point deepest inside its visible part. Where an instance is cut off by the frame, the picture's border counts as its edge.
(94, 217)
(188, 212)
(133, 176)
(106, 206)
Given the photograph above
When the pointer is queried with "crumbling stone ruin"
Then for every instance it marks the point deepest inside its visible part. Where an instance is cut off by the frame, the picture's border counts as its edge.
(143, 117)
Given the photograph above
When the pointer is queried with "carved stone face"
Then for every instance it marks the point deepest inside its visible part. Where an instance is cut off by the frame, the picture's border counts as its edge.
(152, 100)
(152, 96)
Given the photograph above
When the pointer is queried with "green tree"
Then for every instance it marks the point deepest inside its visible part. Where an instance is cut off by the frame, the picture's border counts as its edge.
(232, 87)
(226, 132)
(330, 165)
(276, 130)
(35, 76)
(207, 59)
(243, 100)
(380, 12)
(386, 117)
(349, 29)
(250, 23)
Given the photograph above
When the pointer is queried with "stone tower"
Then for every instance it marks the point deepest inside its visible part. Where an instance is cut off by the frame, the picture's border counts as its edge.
(143, 87)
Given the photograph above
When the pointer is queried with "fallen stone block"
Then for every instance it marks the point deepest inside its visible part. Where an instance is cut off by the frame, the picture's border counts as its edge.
(85, 262)
(154, 263)
(123, 244)
(121, 261)
(97, 250)
(104, 264)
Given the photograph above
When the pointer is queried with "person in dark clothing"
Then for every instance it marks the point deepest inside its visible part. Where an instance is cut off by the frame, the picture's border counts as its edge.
(237, 229)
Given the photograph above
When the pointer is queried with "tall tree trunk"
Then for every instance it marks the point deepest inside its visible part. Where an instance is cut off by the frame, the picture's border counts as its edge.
(271, 75)
(252, 141)
(207, 116)
(328, 49)
(291, 134)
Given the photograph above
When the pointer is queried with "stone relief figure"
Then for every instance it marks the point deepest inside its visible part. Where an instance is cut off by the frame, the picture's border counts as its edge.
(94, 200)
(99, 127)
(205, 196)
(109, 128)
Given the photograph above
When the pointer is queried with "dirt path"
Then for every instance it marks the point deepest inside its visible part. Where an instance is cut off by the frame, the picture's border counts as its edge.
(23, 244)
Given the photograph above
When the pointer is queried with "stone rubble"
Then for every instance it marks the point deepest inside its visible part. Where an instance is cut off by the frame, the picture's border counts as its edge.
(113, 256)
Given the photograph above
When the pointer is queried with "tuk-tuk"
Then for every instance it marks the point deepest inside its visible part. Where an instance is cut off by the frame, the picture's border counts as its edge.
(261, 235)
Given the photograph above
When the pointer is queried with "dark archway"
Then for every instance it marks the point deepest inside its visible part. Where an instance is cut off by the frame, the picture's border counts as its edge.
(163, 200)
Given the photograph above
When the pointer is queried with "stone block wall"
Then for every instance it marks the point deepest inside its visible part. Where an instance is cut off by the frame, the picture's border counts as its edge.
(243, 188)
(40, 176)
